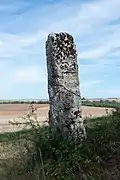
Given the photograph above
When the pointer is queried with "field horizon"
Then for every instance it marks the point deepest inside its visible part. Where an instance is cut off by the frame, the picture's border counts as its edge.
(16, 112)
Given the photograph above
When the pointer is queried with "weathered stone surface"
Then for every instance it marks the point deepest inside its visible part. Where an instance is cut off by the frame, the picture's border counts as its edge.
(63, 85)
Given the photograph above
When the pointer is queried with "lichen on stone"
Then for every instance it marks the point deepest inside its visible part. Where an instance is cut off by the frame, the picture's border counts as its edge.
(63, 83)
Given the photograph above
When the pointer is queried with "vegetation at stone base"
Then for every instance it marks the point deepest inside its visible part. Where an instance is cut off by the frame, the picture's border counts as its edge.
(107, 104)
(57, 158)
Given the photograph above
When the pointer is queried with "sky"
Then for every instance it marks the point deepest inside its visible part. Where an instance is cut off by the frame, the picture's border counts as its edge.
(24, 27)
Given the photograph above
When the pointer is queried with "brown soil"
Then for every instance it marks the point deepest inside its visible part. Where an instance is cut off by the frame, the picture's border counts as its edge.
(12, 111)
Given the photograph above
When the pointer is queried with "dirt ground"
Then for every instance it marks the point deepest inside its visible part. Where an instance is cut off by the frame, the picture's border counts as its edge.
(11, 112)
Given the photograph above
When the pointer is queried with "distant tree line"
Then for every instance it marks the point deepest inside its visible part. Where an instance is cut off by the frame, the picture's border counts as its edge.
(101, 103)
(24, 102)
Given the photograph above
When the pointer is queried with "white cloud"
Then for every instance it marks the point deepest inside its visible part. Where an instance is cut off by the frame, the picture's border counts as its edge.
(88, 87)
(88, 17)
(11, 45)
(103, 50)
(33, 74)
(86, 20)
(89, 23)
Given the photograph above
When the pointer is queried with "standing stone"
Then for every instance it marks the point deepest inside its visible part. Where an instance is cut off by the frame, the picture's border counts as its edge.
(63, 85)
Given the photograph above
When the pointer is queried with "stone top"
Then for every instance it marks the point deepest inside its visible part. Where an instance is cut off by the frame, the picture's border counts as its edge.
(61, 48)
(63, 36)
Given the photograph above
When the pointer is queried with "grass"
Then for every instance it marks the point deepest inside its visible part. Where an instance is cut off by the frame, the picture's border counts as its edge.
(98, 158)
(12, 136)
